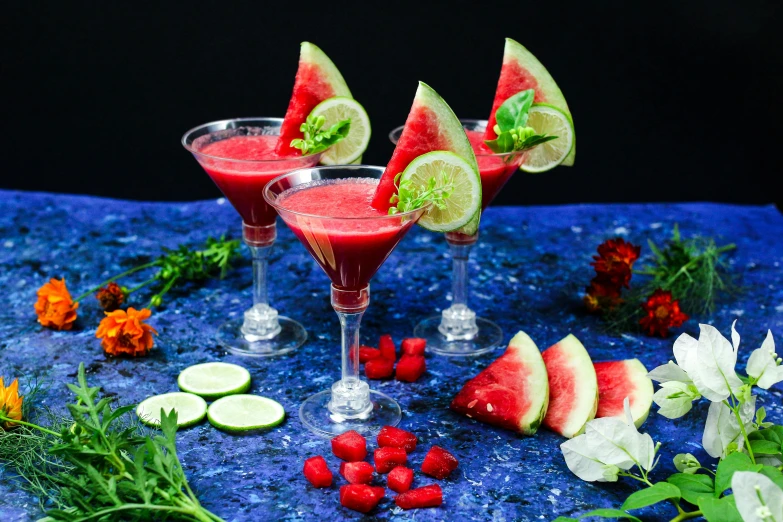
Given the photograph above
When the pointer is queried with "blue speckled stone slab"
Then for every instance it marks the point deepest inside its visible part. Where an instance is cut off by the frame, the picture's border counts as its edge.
(528, 272)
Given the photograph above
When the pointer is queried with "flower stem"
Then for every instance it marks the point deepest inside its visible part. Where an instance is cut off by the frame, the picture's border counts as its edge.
(29, 425)
(685, 515)
(744, 434)
(114, 278)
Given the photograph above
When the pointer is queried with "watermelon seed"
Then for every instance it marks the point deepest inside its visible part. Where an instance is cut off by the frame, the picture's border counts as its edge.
(489, 407)
(472, 403)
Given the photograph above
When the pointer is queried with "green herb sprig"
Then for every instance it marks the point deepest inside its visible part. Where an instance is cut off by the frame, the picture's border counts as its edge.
(409, 197)
(98, 465)
(317, 139)
(513, 134)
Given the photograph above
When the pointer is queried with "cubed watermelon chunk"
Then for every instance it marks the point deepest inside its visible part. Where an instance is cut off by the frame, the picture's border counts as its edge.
(400, 479)
(361, 497)
(410, 368)
(379, 368)
(349, 446)
(368, 353)
(392, 437)
(357, 472)
(386, 459)
(414, 346)
(428, 496)
(387, 348)
(317, 472)
(439, 463)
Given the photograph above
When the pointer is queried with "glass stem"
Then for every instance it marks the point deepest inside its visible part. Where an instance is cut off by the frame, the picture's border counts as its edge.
(261, 321)
(349, 323)
(458, 322)
(459, 273)
(260, 263)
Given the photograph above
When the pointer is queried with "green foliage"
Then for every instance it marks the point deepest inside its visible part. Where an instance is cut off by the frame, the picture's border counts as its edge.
(409, 197)
(692, 487)
(647, 497)
(719, 509)
(98, 465)
(603, 513)
(735, 462)
(316, 139)
(512, 133)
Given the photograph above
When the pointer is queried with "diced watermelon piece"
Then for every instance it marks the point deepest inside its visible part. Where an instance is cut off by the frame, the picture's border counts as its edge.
(357, 472)
(414, 346)
(368, 353)
(439, 463)
(317, 79)
(387, 348)
(350, 446)
(428, 496)
(392, 437)
(400, 479)
(386, 459)
(410, 368)
(431, 126)
(361, 497)
(379, 368)
(317, 472)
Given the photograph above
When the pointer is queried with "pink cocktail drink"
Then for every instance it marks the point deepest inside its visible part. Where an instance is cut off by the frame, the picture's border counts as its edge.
(495, 169)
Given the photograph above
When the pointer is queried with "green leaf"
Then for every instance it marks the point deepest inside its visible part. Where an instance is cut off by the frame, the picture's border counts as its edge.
(609, 513)
(765, 447)
(735, 462)
(774, 474)
(513, 112)
(719, 510)
(647, 497)
(565, 519)
(692, 487)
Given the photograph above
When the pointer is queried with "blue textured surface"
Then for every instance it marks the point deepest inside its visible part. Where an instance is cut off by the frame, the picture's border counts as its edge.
(527, 272)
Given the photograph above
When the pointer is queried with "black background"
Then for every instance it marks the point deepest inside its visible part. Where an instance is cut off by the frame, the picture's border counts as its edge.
(673, 101)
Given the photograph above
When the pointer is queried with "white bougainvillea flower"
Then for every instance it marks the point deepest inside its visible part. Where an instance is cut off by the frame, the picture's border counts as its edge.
(758, 498)
(609, 445)
(686, 463)
(675, 399)
(722, 432)
(764, 364)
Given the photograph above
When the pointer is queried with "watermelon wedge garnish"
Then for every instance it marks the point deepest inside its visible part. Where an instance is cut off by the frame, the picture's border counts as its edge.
(618, 380)
(521, 71)
(317, 79)
(573, 387)
(512, 392)
(431, 126)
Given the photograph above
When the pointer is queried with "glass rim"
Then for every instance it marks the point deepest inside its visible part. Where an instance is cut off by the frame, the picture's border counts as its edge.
(274, 204)
(197, 153)
(468, 120)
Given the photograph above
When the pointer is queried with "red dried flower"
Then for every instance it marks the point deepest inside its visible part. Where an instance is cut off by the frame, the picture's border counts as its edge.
(601, 297)
(614, 261)
(663, 313)
(110, 297)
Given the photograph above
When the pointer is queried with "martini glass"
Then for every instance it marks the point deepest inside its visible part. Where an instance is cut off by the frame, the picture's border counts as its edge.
(458, 332)
(350, 250)
(261, 332)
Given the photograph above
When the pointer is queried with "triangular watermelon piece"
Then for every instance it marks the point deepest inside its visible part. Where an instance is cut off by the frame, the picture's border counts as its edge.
(316, 80)
(521, 71)
(431, 125)
(573, 387)
(618, 380)
(512, 392)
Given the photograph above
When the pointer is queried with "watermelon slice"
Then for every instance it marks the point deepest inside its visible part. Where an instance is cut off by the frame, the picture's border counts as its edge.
(521, 71)
(316, 80)
(431, 126)
(512, 392)
(618, 380)
(573, 387)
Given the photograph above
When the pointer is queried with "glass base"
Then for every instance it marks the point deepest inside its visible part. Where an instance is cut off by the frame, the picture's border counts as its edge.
(292, 335)
(488, 338)
(316, 416)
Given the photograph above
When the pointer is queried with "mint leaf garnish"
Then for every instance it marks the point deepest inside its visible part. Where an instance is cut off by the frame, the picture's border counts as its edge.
(512, 133)
(514, 111)
(318, 140)
(409, 197)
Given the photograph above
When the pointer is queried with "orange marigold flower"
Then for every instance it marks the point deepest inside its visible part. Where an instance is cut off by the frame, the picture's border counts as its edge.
(10, 403)
(110, 297)
(124, 332)
(55, 307)
(663, 313)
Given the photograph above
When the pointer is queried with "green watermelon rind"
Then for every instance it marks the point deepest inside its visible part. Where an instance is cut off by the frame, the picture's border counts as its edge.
(529, 354)
(311, 53)
(517, 52)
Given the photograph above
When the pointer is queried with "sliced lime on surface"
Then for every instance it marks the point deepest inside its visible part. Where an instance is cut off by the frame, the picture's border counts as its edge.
(214, 380)
(548, 119)
(245, 412)
(190, 408)
(463, 205)
(353, 146)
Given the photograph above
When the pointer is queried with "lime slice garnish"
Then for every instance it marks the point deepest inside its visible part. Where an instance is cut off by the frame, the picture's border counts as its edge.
(353, 146)
(548, 119)
(245, 412)
(464, 204)
(190, 408)
(214, 380)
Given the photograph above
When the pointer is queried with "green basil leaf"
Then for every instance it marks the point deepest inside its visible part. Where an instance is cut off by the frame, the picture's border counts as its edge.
(719, 510)
(514, 111)
(774, 474)
(609, 513)
(647, 497)
(692, 487)
(765, 447)
(504, 143)
(735, 462)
